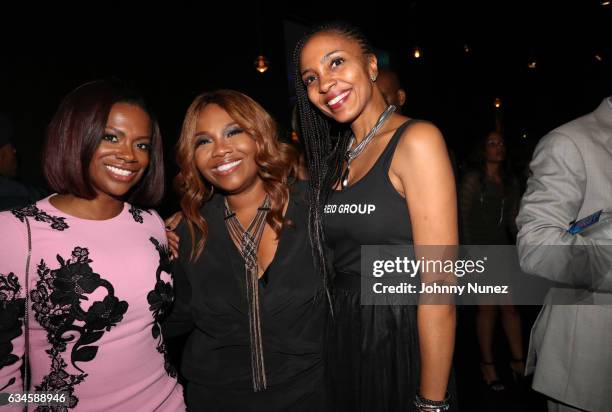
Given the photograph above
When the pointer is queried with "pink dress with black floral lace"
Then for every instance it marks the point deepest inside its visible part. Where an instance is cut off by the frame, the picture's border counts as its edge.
(97, 293)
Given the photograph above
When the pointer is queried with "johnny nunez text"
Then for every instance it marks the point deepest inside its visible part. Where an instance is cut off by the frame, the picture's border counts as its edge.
(435, 288)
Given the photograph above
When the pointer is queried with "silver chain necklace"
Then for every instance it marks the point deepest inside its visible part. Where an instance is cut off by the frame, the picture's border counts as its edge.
(351, 154)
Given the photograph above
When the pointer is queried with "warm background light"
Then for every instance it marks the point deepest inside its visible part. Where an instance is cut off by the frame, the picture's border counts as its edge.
(261, 64)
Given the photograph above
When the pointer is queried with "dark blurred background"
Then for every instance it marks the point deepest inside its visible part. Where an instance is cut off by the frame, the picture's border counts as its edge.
(470, 55)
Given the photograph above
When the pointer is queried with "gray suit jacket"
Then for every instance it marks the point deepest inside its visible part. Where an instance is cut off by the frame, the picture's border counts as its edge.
(571, 345)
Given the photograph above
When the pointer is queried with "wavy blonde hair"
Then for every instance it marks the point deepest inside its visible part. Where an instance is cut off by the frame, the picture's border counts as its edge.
(276, 161)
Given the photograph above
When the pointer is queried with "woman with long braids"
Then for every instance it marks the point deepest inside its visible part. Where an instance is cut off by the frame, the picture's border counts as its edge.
(247, 290)
(381, 358)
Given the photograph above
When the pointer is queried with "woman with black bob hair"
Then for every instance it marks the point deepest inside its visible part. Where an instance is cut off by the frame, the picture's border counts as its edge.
(84, 273)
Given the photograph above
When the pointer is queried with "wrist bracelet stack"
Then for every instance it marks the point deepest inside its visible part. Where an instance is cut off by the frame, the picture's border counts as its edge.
(427, 405)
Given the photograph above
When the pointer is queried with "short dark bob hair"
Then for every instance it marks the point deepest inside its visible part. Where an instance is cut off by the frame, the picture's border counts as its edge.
(76, 131)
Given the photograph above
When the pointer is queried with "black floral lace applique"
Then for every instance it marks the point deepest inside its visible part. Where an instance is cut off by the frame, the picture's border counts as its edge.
(56, 302)
(56, 223)
(137, 213)
(12, 309)
(160, 299)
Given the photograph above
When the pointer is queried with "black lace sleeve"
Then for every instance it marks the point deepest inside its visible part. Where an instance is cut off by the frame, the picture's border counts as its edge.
(180, 320)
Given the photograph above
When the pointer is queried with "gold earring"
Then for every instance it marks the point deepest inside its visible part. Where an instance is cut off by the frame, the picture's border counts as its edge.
(373, 77)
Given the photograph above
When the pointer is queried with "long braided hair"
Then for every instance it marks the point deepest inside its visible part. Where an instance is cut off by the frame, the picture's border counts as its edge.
(324, 145)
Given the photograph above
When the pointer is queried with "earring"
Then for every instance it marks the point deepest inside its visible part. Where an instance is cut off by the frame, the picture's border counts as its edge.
(373, 77)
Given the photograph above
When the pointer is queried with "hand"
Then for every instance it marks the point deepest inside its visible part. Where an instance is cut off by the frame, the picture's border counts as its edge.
(173, 239)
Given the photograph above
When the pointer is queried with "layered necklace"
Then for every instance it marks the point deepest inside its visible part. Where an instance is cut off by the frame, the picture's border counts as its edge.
(351, 154)
(248, 242)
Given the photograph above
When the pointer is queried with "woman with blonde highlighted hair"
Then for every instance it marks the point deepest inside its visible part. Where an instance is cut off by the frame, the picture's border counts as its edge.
(246, 287)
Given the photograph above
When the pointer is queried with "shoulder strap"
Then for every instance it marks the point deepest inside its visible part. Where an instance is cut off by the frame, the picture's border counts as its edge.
(387, 154)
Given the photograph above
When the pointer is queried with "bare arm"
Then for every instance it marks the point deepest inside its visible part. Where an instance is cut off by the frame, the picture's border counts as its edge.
(427, 179)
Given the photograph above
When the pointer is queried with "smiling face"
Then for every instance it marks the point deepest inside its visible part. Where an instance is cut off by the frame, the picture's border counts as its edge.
(224, 151)
(122, 156)
(337, 75)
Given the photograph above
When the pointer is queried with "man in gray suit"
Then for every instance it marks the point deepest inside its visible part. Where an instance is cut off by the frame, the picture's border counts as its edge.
(571, 345)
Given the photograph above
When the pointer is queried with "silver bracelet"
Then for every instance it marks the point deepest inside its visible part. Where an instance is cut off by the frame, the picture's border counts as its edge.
(427, 405)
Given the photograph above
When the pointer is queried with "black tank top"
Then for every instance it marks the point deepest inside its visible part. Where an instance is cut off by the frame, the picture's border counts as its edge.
(370, 212)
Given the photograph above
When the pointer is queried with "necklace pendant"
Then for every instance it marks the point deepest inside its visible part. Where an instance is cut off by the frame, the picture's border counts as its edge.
(344, 180)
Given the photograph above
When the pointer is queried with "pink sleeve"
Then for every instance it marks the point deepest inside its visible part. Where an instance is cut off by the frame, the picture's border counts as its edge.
(162, 224)
(13, 255)
(160, 230)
